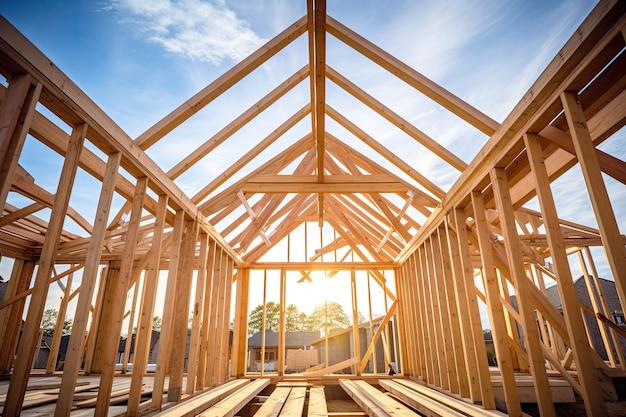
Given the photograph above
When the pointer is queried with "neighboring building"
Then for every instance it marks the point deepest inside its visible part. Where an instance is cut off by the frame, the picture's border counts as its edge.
(341, 347)
(44, 352)
(612, 300)
(297, 351)
(613, 303)
(3, 288)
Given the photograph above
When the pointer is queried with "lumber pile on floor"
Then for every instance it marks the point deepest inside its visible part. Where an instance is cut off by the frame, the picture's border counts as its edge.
(225, 400)
(431, 402)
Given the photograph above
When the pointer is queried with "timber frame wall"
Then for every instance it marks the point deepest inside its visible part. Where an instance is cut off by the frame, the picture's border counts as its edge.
(471, 235)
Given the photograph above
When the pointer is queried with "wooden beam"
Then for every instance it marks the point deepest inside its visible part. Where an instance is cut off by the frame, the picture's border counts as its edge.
(16, 114)
(407, 74)
(206, 332)
(442, 350)
(73, 106)
(386, 153)
(111, 342)
(513, 248)
(180, 318)
(274, 165)
(319, 74)
(253, 186)
(392, 117)
(370, 349)
(598, 29)
(468, 307)
(168, 311)
(30, 332)
(223, 83)
(494, 308)
(239, 122)
(20, 213)
(224, 359)
(144, 327)
(240, 332)
(588, 160)
(263, 220)
(217, 306)
(451, 312)
(29, 189)
(250, 155)
(567, 292)
(253, 216)
(56, 139)
(420, 200)
(74, 352)
(11, 317)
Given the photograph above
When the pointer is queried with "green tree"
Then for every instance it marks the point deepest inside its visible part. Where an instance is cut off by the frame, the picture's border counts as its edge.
(255, 319)
(362, 318)
(156, 323)
(49, 321)
(67, 326)
(328, 316)
(294, 319)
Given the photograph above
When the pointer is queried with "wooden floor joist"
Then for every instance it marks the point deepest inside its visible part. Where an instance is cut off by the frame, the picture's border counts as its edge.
(428, 401)
(201, 402)
(374, 402)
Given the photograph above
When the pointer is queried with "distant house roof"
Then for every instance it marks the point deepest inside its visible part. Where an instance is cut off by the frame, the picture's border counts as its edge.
(3, 289)
(608, 289)
(362, 325)
(292, 339)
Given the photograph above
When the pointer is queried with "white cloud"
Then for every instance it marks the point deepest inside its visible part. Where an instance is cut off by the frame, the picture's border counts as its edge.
(195, 29)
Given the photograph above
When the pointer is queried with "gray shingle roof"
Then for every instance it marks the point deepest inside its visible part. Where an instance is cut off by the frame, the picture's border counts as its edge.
(292, 339)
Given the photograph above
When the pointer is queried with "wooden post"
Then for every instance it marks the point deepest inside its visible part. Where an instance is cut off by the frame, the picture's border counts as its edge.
(224, 336)
(588, 160)
(94, 328)
(602, 327)
(440, 350)
(432, 367)
(238, 368)
(587, 376)
(421, 329)
(371, 324)
(131, 323)
(16, 113)
(281, 325)
(452, 313)
(111, 342)
(534, 272)
(413, 320)
(204, 333)
(524, 302)
(405, 316)
(196, 311)
(103, 328)
(494, 308)
(468, 307)
(21, 275)
(30, 332)
(217, 300)
(144, 327)
(181, 311)
(445, 330)
(58, 328)
(604, 306)
(515, 346)
(168, 307)
(355, 320)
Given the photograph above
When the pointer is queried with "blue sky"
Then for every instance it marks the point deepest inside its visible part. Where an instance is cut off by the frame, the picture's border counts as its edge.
(140, 59)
